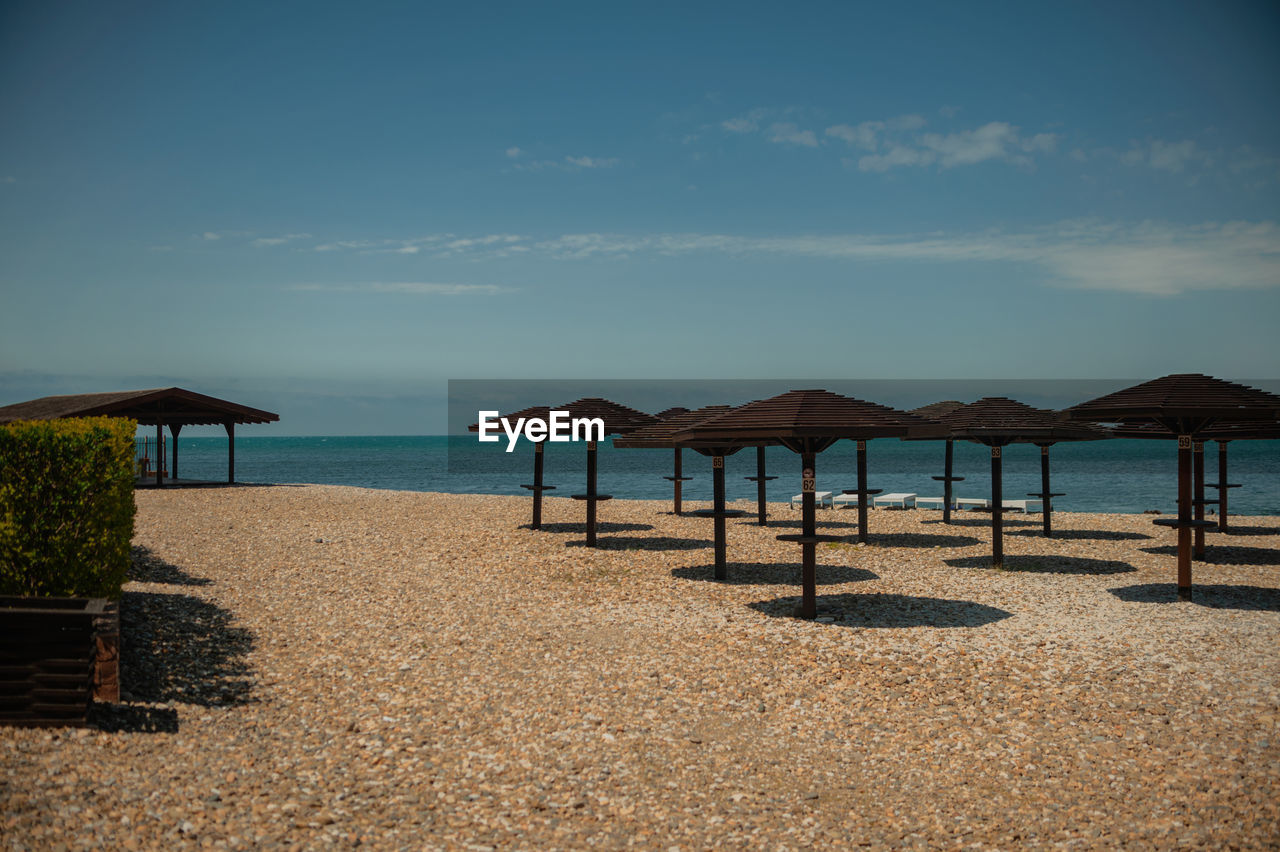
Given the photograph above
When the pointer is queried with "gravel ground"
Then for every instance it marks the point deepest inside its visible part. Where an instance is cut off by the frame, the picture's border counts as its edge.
(321, 667)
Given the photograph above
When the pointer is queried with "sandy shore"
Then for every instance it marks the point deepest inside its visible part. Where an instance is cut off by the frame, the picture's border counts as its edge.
(323, 667)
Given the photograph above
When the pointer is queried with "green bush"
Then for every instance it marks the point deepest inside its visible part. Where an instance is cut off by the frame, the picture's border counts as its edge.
(66, 506)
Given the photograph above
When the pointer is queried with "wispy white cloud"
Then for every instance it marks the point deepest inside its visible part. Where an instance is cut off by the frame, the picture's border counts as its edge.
(996, 140)
(1153, 259)
(435, 245)
(749, 122)
(414, 288)
(263, 242)
(514, 152)
(1165, 156)
(592, 162)
(786, 132)
(211, 235)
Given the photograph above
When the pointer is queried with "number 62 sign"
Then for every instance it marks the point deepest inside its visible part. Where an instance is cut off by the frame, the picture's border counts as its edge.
(807, 483)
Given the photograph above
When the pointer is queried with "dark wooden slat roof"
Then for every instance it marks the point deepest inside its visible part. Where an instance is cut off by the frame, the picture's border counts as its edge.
(618, 419)
(158, 405)
(934, 410)
(1238, 431)
(661, 435)
(1000, 420)
(806, 414)
(669, 412)
(1183, 395)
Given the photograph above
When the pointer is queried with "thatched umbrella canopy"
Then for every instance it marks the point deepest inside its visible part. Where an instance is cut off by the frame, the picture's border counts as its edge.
(807, 422)
(933, 411)
(1189, 406)
(997, 421)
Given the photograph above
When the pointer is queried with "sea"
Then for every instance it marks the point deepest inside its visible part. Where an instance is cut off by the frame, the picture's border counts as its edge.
(1114, 475)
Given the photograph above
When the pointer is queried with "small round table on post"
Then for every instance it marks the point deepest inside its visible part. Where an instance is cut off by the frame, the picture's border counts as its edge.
(592, 500)
(721, 571)
(760, 502)
(1046, 507)
(946, 495)
(537, 503)
(677, 501)
(863, 505)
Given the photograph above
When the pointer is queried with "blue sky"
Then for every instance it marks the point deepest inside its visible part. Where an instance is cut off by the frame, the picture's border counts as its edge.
(329, 210)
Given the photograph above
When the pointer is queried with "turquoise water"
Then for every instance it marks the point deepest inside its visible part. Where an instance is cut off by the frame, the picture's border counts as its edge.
(1099, 476)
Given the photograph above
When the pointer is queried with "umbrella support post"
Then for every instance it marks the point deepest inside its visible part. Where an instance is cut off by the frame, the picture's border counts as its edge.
(1222, 486)
(717, 480)
(760, 479)
(1197, 480)
(809, 527)
(1045, 508)
(1184, 517)
(947, 468)
(677, 483)
(862, 492)
(997, 511)
(537, 486)
(591, 493)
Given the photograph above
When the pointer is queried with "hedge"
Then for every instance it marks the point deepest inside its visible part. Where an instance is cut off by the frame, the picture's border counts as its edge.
(66, 506)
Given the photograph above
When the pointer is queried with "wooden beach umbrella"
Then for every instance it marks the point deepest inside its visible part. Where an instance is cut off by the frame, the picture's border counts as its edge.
(541, 412)
(618, 420)
(997, 421)
(1223, 434)
(1189, 406)
(664, 434)
(677, 478)
(933, 411)
(808, 422)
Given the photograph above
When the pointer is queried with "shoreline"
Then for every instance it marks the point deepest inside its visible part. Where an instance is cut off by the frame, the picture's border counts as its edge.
(340, 665)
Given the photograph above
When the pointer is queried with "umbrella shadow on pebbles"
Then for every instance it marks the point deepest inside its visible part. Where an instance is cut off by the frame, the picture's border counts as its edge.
(1227, 554)
(1099, 535)
(146, 567)
(1215, 597)
(1244, 529)
(631, 542)
(921, 540)
(796, 524)
(984, 521)
(1037, 564)
(601, 527)
(773, 574)
(851, 610)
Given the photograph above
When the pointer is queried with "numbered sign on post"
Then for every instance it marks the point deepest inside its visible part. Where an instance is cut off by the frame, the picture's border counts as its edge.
(808, 485)
(717, 462)
(1184, 442)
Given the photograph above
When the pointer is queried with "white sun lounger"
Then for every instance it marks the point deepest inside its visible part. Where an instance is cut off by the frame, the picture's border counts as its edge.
(933, 502)
(1023, 505)
(900, 498)
(845, 499)
(972, 503)
(820, 498)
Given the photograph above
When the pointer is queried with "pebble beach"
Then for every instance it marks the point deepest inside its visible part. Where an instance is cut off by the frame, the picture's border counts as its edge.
(325, 667)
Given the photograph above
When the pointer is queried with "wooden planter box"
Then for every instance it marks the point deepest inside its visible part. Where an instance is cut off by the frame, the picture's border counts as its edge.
(47, 654)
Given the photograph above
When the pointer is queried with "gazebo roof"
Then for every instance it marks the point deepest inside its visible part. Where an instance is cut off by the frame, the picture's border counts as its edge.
(670, 412)
(934, 410)
(662, 435)
(618, 419)
(1191, 397)
(999, 420)
(170, 406)
(809, 414)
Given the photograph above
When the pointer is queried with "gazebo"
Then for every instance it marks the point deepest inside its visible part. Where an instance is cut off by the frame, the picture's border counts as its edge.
(997, 422)
(541, 412)
(159, 407)
(807, 422)
(1187, 406)
(933, 411)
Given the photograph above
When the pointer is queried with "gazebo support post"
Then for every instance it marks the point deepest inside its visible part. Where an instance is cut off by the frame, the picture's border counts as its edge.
(677, 483)
(997, 510)
(230, 426)
(1184, 517)
(159, 453)
(761, 479)
(538, 461)
(1222, 486)
(862, 492)
(1046, 509)
(808, 528)
(591, 493)
(1197, 480)
(717, 486)
(947, 467)
(174, 429)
